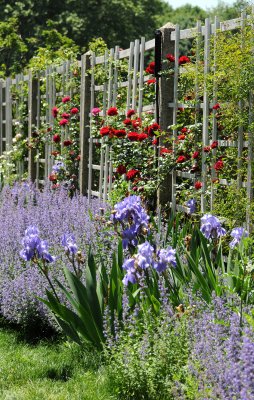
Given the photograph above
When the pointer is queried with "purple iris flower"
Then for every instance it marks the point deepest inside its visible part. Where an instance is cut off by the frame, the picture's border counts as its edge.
(165, 257)
(129, 277)
(132, 217)
(129, 266)
(237, 234)
(145, 255)
(33, 246)
(69, 243)
(211, 227)
(192, 204)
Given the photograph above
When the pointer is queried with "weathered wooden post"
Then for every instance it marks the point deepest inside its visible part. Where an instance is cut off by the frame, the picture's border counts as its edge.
(85, 104)
(8, 114)
(164, 112)
(32, 122)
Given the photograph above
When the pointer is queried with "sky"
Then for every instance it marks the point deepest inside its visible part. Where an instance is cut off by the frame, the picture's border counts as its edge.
(201, 3)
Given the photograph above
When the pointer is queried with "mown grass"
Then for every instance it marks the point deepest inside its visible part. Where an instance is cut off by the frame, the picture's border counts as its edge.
(49, 370)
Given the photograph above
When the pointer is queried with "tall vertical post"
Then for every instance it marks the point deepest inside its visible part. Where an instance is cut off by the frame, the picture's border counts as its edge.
(205, 136)
(32, 123)
(85, 101)
(8, 114)
(166, 96)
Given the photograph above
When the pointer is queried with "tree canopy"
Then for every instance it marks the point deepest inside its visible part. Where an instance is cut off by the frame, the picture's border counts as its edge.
(27, 26)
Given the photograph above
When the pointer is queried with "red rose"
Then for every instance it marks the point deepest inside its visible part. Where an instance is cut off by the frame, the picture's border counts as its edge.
(184, 130)
(151, 81)
(63, 122)
(65, 115)
(120, 133)
(112, 111)
(56, 138)
(151, 68)
(133, 136)
(74, 110)
(67, 142)
(155, 142)
(49, 129)
(105, 130)
(52, 177)
(66, 99)
(132, 173)
(214, 144)
(195, 155)
(181, 159)
(130, 113)
(78, 158)
(136, 123)
(183, 60)
(121, 169)
(218, 165)
(216, 106)
(55, 153)
(127, 121)
(56, 186)
(170, 57)
(164, 150)
(207, 149)
(142, 136)
(152, 128)
(54, 111)
(198, 185)
(181, 137)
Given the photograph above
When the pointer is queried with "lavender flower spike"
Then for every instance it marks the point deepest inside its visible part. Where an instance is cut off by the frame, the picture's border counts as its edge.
(211, 227)
(237, 234)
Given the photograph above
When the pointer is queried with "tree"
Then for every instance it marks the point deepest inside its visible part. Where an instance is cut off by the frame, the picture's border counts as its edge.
(13, 49)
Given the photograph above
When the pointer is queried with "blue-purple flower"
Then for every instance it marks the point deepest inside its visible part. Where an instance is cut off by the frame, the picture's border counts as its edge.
(145, 255)
(237, 234)
(211, 227)
(165, 257)
(57, 167)
(133, 219)
(131, 272)
(69, 243)
(34, 247)
(145, 258)
(192, 204)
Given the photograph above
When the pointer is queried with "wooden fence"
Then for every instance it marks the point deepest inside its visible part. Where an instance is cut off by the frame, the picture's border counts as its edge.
(39, 94)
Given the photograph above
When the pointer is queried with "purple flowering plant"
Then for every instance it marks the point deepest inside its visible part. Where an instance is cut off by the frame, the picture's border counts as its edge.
(54, 214)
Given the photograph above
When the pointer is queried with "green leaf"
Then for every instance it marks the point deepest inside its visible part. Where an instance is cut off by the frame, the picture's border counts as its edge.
(91, 288)
(84, 310)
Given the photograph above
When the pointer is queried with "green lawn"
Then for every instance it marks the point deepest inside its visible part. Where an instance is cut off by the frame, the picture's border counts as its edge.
(48, 370)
